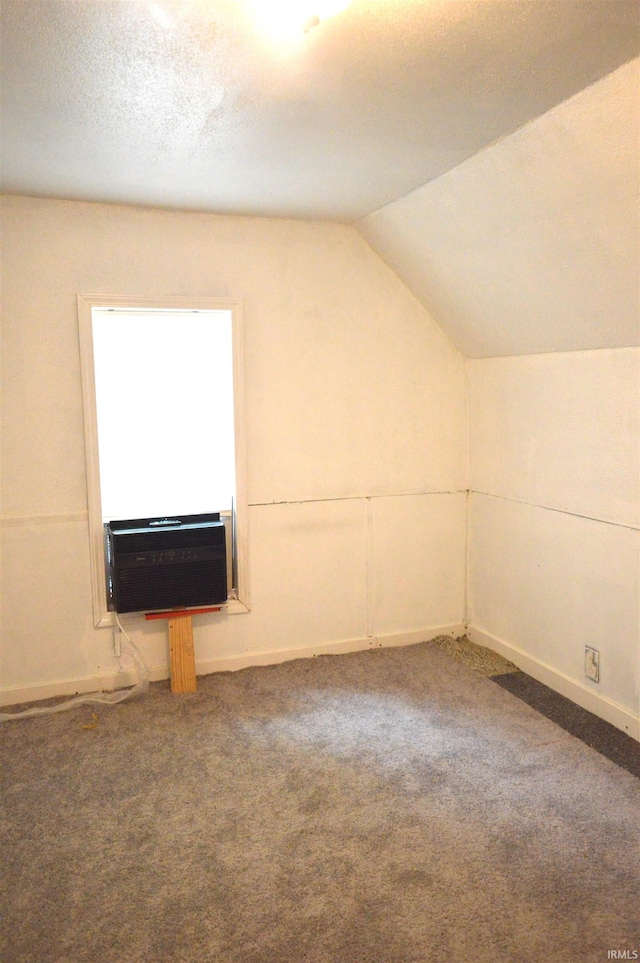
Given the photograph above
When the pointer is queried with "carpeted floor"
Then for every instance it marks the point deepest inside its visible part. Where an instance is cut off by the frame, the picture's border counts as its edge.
(595, 732)
(392, 806)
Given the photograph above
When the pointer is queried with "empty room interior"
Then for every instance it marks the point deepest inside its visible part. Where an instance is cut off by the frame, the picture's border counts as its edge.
(420, 221)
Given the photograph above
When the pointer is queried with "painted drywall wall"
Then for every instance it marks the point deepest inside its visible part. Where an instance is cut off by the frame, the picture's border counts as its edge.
(531, 246)
(355, 426)
(559, 430)
(553, 538)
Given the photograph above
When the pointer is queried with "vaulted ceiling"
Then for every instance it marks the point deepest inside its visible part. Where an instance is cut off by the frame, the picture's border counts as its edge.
(533, 244)
(469, 139)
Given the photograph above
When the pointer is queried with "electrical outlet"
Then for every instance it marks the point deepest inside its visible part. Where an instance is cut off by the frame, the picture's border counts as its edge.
(592, 663)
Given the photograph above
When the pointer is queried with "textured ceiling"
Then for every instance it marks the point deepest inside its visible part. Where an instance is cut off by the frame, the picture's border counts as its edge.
(100, 102)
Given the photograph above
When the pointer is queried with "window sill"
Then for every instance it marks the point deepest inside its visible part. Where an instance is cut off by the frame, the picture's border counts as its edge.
(230, 607)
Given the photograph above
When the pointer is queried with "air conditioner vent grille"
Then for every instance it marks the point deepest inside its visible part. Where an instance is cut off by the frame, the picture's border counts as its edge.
(172, 586)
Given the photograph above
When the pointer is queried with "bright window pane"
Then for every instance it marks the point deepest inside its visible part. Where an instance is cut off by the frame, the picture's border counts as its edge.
(164, 396)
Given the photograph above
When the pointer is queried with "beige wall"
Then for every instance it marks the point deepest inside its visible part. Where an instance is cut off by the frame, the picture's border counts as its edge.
(355, 424)
(357, 445)
(554, 544)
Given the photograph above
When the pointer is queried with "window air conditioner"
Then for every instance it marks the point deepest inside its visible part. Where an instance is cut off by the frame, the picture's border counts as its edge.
(158, 564)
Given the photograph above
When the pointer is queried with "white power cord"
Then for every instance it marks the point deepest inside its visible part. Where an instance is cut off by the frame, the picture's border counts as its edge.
(107, 698)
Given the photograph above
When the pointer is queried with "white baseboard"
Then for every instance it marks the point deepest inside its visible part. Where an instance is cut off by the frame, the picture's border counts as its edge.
(600, 706)
(68, 687)
(233, 663)
(118, 680)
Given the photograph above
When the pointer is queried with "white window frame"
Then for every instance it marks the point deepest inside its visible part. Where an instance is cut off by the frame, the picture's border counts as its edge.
(102, 617)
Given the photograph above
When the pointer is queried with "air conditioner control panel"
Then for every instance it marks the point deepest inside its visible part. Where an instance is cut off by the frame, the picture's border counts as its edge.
(169, 556)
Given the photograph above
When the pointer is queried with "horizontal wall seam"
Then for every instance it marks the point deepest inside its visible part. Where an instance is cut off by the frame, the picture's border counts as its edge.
(354, 498)
(12, 521)
(560, 511)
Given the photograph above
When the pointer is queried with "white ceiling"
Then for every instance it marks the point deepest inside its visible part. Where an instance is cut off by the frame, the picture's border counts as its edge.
(100, 102)
(533, 245)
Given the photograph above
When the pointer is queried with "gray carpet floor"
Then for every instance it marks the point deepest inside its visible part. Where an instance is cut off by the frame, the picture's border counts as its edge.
(594, 731)
(392, 806)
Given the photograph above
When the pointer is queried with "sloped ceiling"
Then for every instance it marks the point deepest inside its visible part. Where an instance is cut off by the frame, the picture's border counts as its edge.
(532, 245)
(187, 104)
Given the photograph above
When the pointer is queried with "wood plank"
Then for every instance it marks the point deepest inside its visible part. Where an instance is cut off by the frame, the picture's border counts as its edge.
(174, 613)
(181, 654)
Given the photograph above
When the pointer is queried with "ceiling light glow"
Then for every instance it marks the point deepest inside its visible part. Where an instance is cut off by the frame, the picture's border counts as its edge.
(288, 18)
(329, 8)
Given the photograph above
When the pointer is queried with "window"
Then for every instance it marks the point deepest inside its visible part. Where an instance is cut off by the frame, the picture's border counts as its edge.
(162, 396)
